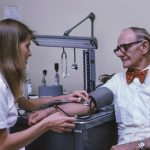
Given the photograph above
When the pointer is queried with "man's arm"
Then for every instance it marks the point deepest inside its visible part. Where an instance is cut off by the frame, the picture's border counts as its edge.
(71, 109)
(102, 97)
(128, 146)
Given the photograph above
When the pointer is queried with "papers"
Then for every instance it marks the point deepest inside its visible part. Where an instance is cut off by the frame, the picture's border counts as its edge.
(12, 12)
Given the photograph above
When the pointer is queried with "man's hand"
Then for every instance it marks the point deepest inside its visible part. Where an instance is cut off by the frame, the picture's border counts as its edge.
(128, 146)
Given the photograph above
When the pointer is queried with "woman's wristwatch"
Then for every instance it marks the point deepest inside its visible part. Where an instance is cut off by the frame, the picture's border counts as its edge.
(141, 145)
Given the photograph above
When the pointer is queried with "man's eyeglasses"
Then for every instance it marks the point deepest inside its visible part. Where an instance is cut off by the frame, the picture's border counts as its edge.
(124, 47)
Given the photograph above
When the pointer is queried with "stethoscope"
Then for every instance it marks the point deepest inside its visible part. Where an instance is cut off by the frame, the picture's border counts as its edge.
(64, 63)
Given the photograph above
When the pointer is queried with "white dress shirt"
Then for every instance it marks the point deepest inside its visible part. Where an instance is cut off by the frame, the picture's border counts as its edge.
(132, 107)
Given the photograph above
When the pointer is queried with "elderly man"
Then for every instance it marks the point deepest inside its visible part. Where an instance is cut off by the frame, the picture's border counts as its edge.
(130, 90)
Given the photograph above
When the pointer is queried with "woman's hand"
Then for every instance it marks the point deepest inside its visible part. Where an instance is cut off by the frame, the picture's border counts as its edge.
(57, 121)
(60, 123)
(37, 116)
(77, 96)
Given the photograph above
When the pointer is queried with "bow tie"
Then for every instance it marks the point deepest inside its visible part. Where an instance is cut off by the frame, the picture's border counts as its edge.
(133, 73)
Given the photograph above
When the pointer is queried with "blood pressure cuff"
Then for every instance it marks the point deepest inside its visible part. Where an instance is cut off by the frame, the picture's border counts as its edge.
(102, 97)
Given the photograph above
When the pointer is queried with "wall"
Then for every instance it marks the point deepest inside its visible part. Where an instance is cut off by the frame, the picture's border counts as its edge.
(53, 17)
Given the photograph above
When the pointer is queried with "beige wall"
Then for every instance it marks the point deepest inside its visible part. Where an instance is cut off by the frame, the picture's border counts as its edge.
(53, 17)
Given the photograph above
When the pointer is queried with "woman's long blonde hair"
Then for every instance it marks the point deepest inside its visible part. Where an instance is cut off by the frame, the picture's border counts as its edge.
(12, 63)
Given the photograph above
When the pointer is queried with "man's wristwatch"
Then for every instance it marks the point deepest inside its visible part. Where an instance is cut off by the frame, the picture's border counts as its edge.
(141, 145)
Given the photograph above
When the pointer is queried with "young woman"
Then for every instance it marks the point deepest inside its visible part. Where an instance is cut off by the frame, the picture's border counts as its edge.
(15, 38)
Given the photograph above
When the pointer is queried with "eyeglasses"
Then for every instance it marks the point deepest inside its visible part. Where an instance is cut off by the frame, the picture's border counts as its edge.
(124, 47)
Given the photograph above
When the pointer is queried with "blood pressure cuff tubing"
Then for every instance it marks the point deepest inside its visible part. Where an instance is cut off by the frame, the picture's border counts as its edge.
(102, 96)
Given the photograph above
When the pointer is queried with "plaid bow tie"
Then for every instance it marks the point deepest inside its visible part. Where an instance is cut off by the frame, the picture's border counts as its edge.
(132, 73)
